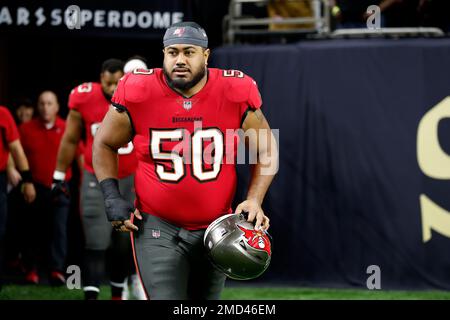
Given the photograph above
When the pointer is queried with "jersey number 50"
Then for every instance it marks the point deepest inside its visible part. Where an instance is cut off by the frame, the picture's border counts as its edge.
(177, 172)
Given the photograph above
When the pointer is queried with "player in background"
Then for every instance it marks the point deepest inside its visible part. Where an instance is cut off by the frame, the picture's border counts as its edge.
(133, 281)
(9, 142)
(179, 119)
(23, 112)
(135, 62)
(40, 139)
(88, 104)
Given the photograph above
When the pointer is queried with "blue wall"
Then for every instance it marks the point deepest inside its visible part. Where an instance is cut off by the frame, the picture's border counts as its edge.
(347, 195)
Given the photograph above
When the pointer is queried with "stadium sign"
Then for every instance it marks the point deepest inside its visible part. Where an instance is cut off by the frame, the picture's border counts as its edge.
(137, 18)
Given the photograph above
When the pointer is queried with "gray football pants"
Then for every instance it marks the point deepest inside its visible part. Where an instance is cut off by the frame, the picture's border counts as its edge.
(172, 262)
(96, 227)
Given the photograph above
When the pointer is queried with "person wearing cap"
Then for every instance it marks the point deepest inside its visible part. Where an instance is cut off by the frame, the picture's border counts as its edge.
(179, 119)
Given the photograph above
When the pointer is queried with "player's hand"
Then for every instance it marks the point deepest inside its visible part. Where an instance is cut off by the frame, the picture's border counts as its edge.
(14, 176)
(118, 210)
(127, 225)
(254, 211)
(60, 188)
(28, 191)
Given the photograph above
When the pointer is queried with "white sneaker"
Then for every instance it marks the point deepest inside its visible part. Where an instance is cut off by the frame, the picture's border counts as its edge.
(126, 291)
(137, 289)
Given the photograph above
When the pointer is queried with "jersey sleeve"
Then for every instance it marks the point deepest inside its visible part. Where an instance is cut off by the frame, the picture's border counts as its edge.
(253, 100)
(78, 95)
(74, 100)
(243, 90)
(131, 90)
(10, 129)
(118, 99)
(121, 98)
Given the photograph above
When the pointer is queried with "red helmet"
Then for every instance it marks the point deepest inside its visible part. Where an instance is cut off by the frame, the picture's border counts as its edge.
(236, 248)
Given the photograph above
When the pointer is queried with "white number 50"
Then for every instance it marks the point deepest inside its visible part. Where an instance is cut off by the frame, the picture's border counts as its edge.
(177, 172)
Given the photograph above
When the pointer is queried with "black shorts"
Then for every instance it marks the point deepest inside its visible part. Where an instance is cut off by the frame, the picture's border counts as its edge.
(172, 262)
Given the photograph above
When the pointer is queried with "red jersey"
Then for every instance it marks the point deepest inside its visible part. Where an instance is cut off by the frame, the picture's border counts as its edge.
(41, 148)
(8, 134)
(183, 175)
(89, 101)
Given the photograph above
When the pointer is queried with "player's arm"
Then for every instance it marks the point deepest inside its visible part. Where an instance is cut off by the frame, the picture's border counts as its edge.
(263, 172)
(114, 132)
(14, 176)
(16, 149)
(69, 142)
(80, 162)
(66, 153)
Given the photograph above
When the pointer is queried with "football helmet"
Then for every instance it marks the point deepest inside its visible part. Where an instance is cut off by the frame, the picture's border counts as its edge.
(236, 248)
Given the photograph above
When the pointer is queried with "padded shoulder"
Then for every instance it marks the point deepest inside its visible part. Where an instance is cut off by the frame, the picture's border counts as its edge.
(240, 88)
(135, 86)
(81, 93)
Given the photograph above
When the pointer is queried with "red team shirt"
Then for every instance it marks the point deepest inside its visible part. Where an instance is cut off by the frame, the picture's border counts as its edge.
(41, 148)
(89, 101)
(182, 175)
(8, 134)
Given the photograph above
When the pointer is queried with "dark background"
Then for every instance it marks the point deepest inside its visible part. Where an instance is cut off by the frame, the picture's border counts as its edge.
(58, 59)
(347, 194)
(36, 59)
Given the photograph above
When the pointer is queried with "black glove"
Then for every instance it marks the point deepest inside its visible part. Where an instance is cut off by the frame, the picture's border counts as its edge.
(116, 207)
(60, 188)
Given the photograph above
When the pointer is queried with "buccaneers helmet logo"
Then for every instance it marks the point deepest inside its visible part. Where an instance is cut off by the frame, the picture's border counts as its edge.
(257, 239)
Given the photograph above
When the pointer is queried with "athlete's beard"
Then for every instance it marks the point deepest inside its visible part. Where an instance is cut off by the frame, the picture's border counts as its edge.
(182, 84)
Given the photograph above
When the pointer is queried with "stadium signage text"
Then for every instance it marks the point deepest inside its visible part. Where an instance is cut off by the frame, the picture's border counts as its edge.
(54, 17)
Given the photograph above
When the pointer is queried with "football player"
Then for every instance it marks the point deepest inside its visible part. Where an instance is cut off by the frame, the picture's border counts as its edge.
(9, 142)
(88, 104)
(137, 290)
(178, 118)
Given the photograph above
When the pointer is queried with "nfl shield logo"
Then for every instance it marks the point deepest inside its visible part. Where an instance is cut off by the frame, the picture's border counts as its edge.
(156, 233)
(187, 105)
